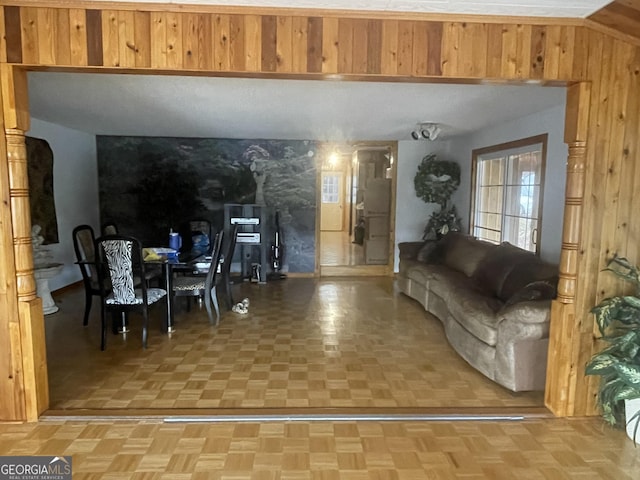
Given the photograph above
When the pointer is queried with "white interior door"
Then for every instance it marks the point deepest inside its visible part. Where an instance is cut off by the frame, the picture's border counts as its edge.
(332, 206)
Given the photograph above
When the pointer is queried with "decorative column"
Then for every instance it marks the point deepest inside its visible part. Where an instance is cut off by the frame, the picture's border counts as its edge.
(20, 213)
(573, 202)
(26, 394)
(565, 337)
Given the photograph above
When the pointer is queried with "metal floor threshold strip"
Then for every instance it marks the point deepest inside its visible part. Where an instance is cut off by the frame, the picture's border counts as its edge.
(340, 418)
(300, 415)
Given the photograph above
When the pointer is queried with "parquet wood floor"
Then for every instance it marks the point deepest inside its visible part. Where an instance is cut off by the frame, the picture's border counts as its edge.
(331, 343)
(337, 249)
(336, 343)
(542, 449)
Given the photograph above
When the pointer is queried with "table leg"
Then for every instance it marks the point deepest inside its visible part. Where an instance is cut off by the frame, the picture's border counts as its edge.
(168, 275)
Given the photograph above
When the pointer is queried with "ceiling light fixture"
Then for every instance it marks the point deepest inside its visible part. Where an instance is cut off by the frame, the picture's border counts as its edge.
(427, 131)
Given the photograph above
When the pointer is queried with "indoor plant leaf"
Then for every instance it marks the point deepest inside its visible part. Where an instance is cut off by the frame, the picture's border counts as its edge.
(601, 364)
(618, 365)
(624, 269)
(630, 374)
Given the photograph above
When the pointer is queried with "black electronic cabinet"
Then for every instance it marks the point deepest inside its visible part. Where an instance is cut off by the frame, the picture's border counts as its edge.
(253, 244)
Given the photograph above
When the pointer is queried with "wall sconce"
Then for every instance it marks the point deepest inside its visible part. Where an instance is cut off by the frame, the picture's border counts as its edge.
(428, 131)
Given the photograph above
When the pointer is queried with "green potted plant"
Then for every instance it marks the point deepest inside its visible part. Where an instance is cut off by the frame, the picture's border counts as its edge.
(442, 222)
(618, 365)
(434, 182)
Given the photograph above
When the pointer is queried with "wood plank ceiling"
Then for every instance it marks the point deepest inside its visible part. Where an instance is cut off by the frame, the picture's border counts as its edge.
(620, 15)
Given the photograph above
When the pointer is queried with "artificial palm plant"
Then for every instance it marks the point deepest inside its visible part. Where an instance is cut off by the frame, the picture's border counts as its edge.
(618, 365)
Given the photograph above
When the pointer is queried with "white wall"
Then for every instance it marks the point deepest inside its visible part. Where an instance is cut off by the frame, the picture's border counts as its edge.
(75, 189)
(549, 121)
(412, 213)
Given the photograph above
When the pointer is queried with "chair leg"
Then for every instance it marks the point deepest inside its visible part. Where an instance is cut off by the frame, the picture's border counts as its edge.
(207, 304)
(103, 329)
(227, 290)
(145, 322)
(88, 296)
(124, 323)
(214, 300)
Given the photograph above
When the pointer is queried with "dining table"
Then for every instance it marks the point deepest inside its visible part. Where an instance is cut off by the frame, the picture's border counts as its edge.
(189, 262)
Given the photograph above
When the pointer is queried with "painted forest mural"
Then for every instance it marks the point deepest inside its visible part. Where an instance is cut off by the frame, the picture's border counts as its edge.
(149, 185)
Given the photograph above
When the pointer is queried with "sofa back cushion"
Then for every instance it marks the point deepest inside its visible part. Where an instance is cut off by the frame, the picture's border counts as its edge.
(524, 273)
(462, 252)
(498, 264)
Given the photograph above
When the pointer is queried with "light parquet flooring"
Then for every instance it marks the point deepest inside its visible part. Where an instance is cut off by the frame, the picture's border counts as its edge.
(305, 343)
(542, 449)
(348, 342)
(337, 249)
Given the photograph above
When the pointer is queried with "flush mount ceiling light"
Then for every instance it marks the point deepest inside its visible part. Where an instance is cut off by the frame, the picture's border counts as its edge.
(428, 131)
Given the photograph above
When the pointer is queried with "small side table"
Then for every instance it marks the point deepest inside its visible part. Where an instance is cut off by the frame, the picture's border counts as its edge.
(42, 275)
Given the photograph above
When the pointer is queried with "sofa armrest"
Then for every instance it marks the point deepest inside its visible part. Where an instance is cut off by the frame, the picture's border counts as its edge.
(524, 321)
(530, 311)
(522, 345)
(409, 250)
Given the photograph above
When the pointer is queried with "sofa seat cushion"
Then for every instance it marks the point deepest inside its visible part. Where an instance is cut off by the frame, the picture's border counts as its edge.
(443, 280)
(476, 312)
(477, 353)
(419, 272)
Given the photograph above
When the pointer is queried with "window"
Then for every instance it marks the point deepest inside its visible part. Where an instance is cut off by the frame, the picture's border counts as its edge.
(508, 180)
(330, 186)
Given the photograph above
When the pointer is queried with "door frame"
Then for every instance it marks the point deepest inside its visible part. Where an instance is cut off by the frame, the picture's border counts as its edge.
(342, 200)
(326, 148)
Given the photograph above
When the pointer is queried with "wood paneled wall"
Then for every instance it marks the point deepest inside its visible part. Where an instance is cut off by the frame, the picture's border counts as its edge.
(267, 44)
(603, 124)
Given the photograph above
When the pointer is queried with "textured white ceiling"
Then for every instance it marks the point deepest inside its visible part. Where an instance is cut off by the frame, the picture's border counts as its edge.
(541, 8)
(146, 105)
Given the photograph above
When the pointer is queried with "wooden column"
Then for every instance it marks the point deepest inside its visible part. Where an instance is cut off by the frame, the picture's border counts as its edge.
(20, 213)
(564, 335)
(573, 203)
(27, 396)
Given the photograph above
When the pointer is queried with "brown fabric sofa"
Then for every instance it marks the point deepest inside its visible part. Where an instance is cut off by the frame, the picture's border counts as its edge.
(493, 300)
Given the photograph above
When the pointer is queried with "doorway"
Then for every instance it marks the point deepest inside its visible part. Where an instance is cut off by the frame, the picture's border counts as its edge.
(355, 198)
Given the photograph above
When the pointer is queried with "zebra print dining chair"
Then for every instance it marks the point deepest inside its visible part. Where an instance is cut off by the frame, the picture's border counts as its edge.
(119, 264)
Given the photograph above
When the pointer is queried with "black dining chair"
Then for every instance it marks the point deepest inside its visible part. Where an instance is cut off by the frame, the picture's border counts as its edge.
(192, 285)
(119, 262)
(84, 247)
(109, 228)
(226, 278)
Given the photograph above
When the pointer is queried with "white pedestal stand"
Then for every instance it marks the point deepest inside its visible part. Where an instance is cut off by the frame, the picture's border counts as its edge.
(632, 407)
(42, 275)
